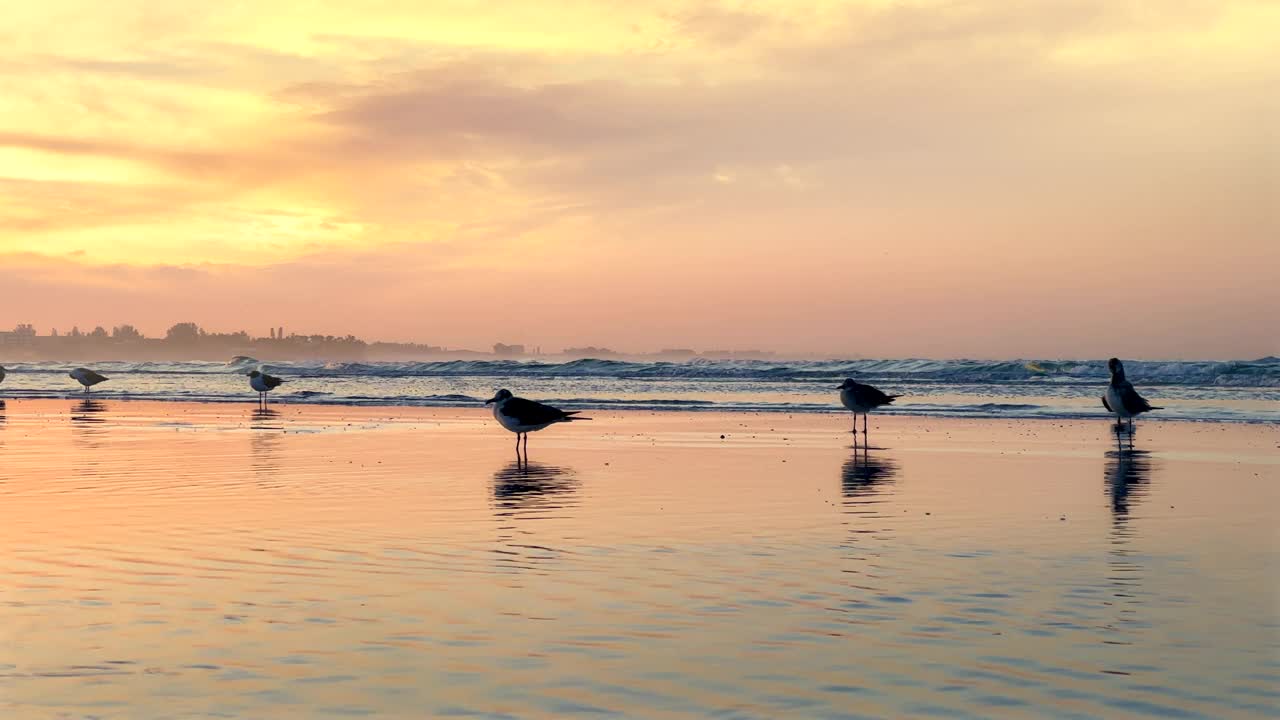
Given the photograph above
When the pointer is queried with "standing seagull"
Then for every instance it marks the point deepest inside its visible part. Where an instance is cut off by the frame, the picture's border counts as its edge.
(86, 377)
(1, 373)
(862, 399)
(1121, 398)
(263, 383)
(522, 416)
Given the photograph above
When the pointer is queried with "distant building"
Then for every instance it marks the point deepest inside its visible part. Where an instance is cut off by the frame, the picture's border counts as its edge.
(503, 350)
(738, 354)
(589, 352)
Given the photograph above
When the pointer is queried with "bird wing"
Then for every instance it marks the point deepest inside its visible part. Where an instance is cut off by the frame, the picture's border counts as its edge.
(529, 412)
(271, 381)
(868, 396)
(1107, 405)
(1133, 402)
(94, 377)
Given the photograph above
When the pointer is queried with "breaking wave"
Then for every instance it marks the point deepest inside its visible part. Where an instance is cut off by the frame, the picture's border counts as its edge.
(1263, 372)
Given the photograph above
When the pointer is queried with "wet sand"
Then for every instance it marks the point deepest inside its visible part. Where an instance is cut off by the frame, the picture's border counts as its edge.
(185, 560)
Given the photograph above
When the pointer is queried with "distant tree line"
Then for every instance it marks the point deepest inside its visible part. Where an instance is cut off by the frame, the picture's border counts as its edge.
(187, 340)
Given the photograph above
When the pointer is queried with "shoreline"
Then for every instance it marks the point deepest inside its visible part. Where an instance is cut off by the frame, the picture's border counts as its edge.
(638, 406)
(791, 427)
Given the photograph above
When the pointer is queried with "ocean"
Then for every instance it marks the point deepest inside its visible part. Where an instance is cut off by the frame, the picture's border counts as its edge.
(1232, 391)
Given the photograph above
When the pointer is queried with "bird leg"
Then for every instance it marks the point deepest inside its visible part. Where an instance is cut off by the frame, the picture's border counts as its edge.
(864, 424)
(526, 447)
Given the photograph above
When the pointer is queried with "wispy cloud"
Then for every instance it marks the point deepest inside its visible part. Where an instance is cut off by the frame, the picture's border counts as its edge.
(732, 146)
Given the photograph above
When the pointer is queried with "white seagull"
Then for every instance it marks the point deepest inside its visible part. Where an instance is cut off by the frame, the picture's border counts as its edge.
(263, 383)
(1121, 398)
(86, 377)
(862, 399)
(522, 416)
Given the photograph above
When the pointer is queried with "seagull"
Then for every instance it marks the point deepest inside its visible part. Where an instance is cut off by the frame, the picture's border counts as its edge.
(1121, 398)
(1, 373)
(86, 377)
(862, 399)
(263, 383)
(522, 416)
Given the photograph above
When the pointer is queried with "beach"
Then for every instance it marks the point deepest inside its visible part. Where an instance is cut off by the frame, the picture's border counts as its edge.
(174, 559)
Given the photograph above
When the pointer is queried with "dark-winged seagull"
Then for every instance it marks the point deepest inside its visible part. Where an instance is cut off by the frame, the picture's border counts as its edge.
(86, 377)
(1, 373)
(1121, 398)
(522, 416)
(263, 383)
(862, 399)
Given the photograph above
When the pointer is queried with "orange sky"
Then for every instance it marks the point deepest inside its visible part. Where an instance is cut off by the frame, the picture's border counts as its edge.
(1046, 178)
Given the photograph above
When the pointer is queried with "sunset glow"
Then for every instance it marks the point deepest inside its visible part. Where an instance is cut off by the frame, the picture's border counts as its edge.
(984, 178)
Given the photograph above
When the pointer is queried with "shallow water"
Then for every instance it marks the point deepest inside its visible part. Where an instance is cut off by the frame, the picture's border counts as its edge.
(168, 560)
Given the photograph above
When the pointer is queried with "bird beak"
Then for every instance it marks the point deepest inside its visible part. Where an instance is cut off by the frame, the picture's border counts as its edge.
(493, 399)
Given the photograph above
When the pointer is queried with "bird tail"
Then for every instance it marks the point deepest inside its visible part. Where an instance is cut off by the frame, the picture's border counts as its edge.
(572, 415)
(1155, 407)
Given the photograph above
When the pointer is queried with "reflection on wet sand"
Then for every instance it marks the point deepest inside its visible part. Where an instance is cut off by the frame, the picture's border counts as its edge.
(524, 491)
(521, 487)
(1127, 475)
(678, 580)
(264, 418)
(88, 422)
(865, 479)
(264, 443)
(2, 412)
(1127, 478)
(88, 411)
(89, 428)
(863, 473)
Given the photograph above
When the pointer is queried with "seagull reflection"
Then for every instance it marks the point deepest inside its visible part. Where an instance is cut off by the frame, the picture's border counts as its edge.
(2, 414)
(264, 418)
(88, 411)
(1127, 480)
(523, 492)
(1127, 474)
(88, 431)
(264, 444)
(864, 478)
(523, 486)
(863, 473)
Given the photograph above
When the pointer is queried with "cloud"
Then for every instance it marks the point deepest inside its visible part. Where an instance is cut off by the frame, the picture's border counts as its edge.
(758, 150)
